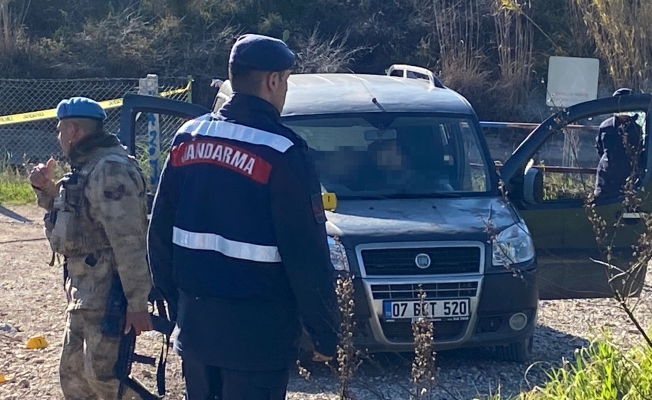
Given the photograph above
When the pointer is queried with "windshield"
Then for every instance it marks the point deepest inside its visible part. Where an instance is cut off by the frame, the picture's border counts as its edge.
(388, 155)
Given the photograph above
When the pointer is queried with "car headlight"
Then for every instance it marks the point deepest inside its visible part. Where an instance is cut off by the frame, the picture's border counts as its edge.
(513, 246)
(338, 255)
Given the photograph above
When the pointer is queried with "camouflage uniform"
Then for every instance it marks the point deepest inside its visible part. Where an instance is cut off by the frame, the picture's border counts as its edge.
(100, 228)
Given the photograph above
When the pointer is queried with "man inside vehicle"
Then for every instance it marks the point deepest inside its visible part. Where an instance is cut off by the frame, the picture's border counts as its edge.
(413, 162)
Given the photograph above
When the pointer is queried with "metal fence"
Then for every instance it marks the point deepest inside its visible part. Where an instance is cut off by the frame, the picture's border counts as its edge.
(28, 120)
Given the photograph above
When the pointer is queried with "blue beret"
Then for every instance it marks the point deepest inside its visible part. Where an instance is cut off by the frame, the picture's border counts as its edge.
(80, 107)
(622, 92)
(261, 53)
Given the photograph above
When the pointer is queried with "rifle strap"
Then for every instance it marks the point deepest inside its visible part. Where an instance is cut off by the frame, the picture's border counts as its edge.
(65, 270)
(162, 362)
(122, 370)
(127, 352)
(65, 275)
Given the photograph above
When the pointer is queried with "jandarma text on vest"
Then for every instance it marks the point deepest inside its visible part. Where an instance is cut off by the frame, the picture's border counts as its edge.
(222, 154)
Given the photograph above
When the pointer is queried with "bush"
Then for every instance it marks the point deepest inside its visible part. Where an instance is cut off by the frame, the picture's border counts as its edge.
(14, 183)
(603, 371)
(14, 187)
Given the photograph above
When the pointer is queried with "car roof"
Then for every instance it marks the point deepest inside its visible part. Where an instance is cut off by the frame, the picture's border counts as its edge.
(345, 93)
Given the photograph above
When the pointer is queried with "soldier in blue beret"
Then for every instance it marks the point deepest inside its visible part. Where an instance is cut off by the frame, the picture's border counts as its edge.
(237, 240)
(78, 118)
(80, 107)
(96, 217)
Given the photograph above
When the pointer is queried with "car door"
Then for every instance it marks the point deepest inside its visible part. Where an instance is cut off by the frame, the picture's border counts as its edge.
(555, 211)
(133, 104)
(172, 114)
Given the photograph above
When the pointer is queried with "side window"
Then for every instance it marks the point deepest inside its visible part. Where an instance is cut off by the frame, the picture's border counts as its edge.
(574, 156)
(444, 136)
(475, 175)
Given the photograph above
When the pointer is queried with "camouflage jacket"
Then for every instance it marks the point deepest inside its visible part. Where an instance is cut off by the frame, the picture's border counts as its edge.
(98, 220)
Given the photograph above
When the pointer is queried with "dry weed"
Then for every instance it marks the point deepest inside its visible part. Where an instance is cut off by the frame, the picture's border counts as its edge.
(423, 366)
(514, 36)
(461, 57)
(621, 30)
(623, 278)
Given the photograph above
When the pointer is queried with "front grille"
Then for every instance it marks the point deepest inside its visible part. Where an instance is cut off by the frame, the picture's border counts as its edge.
(401, 331)
(410, 291)
(443, 260)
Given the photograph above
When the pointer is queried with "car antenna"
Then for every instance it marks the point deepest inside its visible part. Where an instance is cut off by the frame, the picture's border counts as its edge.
(373, 99)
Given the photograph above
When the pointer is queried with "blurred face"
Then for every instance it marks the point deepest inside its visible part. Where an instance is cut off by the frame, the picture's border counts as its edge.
(389, 156)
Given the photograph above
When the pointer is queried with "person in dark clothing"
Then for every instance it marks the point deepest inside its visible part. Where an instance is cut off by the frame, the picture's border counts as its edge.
(615, 164)
(237, 241)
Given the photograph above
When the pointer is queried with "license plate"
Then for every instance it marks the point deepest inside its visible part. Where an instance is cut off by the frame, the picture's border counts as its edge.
(439, 310)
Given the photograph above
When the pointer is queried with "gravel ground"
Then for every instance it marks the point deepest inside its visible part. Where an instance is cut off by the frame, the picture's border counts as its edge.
(32, 303)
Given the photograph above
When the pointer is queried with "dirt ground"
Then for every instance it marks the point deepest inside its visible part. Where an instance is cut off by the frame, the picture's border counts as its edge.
(32, 303)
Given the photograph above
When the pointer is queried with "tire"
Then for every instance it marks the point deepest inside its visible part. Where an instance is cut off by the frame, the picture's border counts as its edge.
(518, 352)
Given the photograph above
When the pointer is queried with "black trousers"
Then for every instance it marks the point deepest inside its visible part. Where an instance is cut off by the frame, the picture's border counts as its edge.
(206, 382)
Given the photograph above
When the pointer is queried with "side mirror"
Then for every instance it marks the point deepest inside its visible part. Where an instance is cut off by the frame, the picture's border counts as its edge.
(533, 186)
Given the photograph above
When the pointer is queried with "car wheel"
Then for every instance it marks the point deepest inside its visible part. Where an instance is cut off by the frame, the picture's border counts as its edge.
(518, 352)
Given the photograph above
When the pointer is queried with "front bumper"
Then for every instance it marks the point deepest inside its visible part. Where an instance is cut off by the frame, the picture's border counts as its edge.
(498, 296)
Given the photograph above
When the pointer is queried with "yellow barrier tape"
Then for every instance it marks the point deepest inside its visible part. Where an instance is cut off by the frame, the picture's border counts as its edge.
(52, 113)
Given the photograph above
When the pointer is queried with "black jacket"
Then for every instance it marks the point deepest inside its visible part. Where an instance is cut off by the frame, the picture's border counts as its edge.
(238, 240)
(615, 164)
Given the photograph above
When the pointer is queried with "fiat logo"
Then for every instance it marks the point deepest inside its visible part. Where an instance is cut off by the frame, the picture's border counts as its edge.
(422, 260)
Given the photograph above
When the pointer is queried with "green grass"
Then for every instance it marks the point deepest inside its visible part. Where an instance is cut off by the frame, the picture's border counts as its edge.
(15, 188)
(14, 183)
(602, 371)
(558, 186)
(563, 186)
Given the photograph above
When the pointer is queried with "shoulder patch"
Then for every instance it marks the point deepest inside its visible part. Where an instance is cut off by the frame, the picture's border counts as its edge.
(318, 208)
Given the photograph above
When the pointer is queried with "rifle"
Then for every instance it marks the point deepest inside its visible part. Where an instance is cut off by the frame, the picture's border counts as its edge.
(113, 325)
